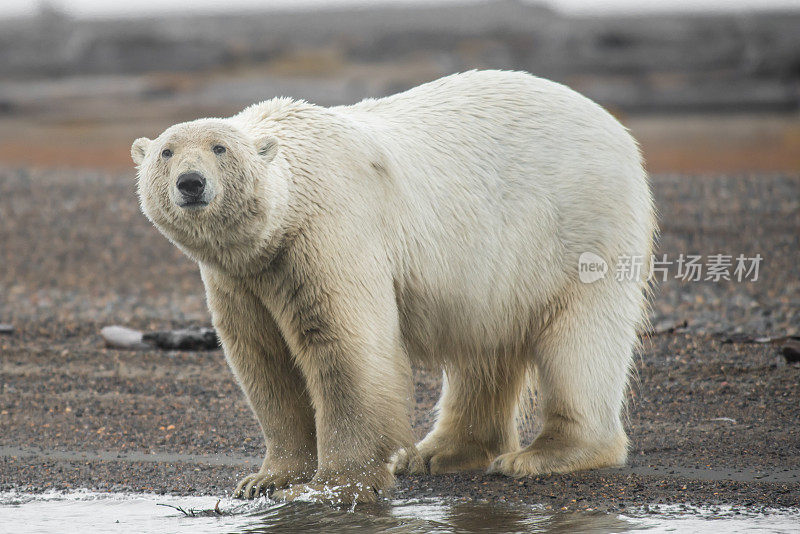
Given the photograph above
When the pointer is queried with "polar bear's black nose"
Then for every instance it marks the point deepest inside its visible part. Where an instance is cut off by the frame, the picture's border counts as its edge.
(191, 184)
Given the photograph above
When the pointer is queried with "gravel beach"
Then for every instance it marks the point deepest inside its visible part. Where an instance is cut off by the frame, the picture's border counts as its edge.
(713, 412)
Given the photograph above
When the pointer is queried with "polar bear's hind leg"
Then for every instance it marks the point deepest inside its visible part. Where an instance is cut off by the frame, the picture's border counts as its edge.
(582, 361)
(476, 421)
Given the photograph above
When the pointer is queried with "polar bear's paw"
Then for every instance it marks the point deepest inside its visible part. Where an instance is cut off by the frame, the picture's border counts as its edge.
(332, 494)
(545, 456)
(439, 456)
(526, 463)
(262, 482)
(407, 462)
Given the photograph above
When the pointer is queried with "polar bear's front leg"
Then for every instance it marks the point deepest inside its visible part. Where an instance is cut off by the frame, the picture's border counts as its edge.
(345, 339)
(274, 387)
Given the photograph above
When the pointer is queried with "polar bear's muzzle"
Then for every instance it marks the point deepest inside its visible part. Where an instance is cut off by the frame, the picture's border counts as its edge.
(192, 190)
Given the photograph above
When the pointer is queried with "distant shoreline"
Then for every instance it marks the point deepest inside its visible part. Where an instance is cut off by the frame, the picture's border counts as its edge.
(612, 8)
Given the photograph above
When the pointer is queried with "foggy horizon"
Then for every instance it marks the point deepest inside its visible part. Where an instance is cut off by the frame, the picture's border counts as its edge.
(98, 9)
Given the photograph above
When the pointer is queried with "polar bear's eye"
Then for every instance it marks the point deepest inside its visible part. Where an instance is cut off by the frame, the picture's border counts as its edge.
(218, 149)
(166, 153)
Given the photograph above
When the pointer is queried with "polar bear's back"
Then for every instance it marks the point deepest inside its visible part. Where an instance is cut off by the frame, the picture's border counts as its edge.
(500, 112)
(499, 159)
(511, 140)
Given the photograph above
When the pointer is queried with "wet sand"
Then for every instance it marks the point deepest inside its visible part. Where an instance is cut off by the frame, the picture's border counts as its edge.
(710, 422)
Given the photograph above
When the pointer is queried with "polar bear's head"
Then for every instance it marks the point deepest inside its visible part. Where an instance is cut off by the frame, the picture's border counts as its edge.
(203, 182)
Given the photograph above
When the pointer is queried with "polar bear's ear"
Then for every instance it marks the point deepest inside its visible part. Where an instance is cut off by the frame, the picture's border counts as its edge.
(139, 149)
(267, 147)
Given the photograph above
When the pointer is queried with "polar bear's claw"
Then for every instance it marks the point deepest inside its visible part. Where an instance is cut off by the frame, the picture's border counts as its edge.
(406, 462)
(263, 482)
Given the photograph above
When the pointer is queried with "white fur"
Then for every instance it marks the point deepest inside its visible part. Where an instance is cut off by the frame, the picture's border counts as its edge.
(442, 226)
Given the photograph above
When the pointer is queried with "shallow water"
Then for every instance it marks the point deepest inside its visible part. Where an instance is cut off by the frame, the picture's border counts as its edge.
(89, 513)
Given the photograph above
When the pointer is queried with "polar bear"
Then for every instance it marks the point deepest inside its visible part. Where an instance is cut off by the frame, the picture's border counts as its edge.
(443, 227)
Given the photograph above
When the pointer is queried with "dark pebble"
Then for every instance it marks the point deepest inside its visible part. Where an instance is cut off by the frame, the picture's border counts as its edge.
(791, 351)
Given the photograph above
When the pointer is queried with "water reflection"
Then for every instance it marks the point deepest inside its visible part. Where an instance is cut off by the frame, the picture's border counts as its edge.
(99, 513)
(581, 522)
(434, 517)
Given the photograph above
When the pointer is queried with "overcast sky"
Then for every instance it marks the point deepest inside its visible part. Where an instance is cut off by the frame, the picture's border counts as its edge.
(93, 8)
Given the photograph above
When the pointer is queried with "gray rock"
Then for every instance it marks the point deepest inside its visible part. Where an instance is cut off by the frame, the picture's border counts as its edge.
(668, 326)
(791, 351)
(186, 339)
(120, 337)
